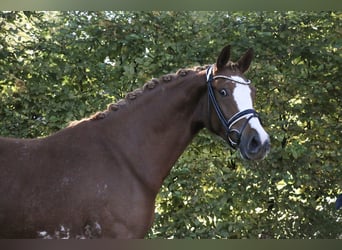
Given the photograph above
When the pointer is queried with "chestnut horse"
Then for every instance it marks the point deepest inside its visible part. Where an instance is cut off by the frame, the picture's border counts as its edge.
(99, 177)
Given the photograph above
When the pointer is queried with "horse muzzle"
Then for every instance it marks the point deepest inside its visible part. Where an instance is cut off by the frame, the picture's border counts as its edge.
(254, 147)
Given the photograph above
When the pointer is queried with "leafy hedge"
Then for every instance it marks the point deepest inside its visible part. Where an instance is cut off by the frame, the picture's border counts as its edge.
(56, 67)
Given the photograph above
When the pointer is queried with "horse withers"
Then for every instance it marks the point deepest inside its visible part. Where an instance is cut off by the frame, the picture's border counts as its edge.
(99, 177)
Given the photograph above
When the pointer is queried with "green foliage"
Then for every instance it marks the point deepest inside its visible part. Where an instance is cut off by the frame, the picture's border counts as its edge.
(56, 67)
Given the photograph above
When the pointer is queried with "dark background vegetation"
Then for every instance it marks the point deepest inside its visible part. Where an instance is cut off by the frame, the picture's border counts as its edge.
(56, 67)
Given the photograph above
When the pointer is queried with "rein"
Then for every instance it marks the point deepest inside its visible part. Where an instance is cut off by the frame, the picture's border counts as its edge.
(228, 124)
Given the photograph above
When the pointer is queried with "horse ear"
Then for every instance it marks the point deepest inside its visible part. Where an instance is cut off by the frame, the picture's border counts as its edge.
(223, 58)
(245, 61)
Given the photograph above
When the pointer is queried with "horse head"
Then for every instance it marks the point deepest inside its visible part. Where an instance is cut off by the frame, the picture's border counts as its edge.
(232, 96)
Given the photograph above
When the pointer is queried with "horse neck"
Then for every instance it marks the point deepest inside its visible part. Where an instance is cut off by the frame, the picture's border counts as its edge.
(155, 129)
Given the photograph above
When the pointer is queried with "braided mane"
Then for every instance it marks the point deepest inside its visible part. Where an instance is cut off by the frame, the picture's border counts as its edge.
(131, 96)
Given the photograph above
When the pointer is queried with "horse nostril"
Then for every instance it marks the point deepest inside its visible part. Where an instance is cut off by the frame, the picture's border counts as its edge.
(255, 147)
(254, 144)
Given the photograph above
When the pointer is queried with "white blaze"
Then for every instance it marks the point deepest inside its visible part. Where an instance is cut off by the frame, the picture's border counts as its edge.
(243, 99)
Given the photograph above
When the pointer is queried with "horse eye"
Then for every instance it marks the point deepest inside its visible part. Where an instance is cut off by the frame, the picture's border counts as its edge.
(223, 92)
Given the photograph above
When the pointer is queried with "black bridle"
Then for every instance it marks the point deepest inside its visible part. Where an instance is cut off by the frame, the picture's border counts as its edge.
(228, 124)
